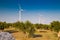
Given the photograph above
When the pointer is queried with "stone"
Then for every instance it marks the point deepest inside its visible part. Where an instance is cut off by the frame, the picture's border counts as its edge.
(6, 36)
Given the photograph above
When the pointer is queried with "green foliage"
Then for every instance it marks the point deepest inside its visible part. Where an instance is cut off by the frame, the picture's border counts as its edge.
(46, 27)
(26, 27)
(19, 25)
(29, 27)
(41, 26)
(37, 26)
(3, 25)
(55, 25)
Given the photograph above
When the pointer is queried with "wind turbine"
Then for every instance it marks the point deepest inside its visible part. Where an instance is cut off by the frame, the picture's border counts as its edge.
(40, 19)
(20, 13)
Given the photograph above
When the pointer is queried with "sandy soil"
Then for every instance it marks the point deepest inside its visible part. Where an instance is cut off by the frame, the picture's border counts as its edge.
(45, 36)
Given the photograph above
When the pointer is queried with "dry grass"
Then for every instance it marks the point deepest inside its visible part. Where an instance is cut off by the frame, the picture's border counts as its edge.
(45, 36)
(49, 35)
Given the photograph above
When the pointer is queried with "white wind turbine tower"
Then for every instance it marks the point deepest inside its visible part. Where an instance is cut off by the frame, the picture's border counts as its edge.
(20, 13)
(40, 19)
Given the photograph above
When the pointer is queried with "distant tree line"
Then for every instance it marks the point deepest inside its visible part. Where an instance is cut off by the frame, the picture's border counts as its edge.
(28, 27)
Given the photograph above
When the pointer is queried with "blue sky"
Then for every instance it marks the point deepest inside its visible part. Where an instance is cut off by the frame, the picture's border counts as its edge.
(36, 11)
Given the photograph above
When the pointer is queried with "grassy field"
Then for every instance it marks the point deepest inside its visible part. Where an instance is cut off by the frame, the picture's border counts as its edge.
(48, 35)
